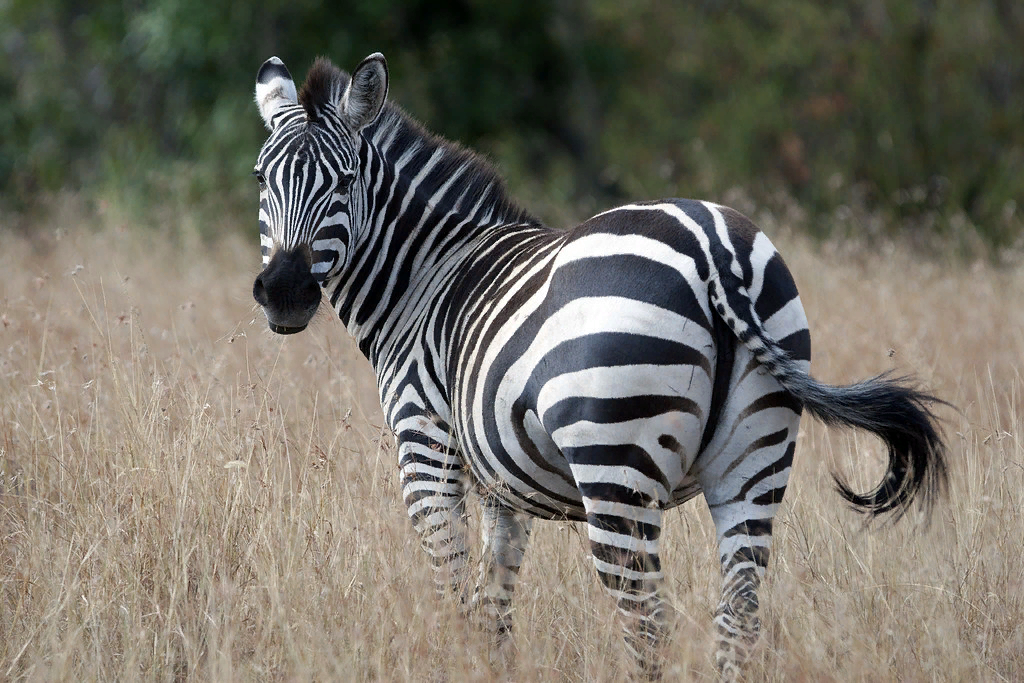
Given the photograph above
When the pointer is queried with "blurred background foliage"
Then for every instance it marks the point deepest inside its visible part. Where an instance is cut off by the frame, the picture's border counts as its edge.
(912, 110)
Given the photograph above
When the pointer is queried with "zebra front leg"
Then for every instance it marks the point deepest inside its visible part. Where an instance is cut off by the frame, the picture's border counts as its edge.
(434, 491)
(505, 534)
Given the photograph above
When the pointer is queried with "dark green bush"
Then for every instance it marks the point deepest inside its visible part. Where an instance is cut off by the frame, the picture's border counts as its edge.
(910, 108)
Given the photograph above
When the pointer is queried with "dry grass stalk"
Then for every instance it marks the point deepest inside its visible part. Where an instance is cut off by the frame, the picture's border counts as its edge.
(186, 497)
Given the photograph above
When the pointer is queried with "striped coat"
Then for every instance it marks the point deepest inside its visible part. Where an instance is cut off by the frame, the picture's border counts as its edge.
(604, 374)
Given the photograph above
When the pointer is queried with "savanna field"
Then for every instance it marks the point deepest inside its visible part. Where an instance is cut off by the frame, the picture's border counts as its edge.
(186, 496)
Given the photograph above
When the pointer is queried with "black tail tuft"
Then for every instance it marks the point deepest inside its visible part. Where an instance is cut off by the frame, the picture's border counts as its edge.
(899, 414)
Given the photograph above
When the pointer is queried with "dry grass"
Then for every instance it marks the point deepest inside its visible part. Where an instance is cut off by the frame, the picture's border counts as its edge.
(186, 496)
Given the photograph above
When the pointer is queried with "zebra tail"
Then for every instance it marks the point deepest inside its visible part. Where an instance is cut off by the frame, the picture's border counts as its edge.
(891, 408)
(899, 414)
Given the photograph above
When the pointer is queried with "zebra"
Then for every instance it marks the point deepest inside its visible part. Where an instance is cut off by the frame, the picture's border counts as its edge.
(601, 374)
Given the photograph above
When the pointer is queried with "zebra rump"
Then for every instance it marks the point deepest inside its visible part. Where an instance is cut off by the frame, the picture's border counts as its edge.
(890, 408)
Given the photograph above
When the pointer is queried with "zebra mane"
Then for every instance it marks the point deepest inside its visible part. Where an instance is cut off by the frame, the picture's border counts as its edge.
(322, 90)
(479, 180)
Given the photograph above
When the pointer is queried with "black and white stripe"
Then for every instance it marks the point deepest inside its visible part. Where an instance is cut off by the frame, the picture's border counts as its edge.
(602, 374)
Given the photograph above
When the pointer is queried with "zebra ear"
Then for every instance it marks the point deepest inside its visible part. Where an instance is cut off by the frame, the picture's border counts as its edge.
(364, 97)
(275, 90)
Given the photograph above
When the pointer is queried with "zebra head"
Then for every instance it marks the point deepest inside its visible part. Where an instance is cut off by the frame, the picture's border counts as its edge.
(310, 181)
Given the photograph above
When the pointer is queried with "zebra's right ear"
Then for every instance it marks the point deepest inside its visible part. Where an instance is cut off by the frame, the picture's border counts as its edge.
(275, 90)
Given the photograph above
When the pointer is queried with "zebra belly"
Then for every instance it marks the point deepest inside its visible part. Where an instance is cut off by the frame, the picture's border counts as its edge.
(637, 410)
(525, 469)
(643, 441)
(559, 496)
(626, 401)
(603, 373)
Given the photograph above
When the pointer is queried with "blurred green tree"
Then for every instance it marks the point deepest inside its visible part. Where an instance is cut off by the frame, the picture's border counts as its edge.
(909, 107)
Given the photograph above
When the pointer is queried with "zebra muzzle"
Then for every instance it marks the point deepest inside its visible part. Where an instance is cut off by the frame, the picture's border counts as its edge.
(284, 329)
(287, 291)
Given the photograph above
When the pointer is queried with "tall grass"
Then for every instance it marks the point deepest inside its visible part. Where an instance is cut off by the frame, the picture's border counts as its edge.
(185, 496)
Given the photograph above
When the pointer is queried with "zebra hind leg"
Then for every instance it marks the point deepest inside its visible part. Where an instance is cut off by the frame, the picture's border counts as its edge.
(743, 505)
(624, 526)
(744, 555)
(506, 534)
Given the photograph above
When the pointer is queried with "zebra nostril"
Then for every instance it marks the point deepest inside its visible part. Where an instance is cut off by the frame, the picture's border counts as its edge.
(259, 292)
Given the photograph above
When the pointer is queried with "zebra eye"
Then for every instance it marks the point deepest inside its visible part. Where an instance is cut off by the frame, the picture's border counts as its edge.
(261, 180)
(345, 181)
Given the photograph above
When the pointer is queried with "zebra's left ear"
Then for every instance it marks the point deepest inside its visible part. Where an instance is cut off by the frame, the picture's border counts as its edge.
(366, 92)
(275, 89)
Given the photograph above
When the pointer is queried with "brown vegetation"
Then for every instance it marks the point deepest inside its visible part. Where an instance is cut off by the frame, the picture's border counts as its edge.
(186, 496)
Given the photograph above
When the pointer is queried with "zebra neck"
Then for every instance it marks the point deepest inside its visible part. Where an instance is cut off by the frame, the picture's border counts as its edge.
(431, 213)
(414, 246)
